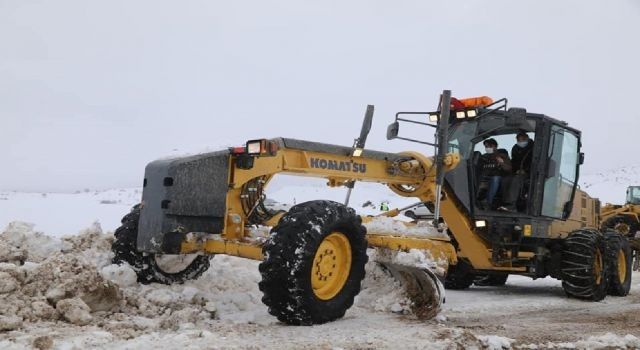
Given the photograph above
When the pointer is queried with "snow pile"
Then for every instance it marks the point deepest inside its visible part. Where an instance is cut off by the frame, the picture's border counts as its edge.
(380, 291)
(19, 242)
(421, 259)
(387, 225)
(47, 283)
(71, 280)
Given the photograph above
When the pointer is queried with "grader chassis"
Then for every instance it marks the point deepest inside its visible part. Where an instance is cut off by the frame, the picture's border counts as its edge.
(313, 260)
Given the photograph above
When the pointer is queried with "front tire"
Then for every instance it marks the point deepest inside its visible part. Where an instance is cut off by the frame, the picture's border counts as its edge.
(621, 261)
(585, 274)
(313, 263)
(148, 266)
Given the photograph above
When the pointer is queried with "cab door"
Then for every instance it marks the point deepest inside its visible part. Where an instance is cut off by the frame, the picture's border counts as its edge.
(563, 162)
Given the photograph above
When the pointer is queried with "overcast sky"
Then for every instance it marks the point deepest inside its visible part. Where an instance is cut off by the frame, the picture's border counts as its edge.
(90, 91)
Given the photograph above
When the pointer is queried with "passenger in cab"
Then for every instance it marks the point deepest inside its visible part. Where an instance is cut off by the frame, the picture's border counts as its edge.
(521, 155)
(494, 165)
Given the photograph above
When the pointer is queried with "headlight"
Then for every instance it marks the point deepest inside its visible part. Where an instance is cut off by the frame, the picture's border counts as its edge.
(254, 147)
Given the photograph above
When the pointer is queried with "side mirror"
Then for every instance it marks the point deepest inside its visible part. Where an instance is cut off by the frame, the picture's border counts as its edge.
(392, 130)
(581, 158)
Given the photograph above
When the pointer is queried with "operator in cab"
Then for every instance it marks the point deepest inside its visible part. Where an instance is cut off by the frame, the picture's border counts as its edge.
(494, 165)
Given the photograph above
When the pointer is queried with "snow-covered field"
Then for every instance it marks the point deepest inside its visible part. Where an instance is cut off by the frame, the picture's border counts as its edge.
(67, 295)
(62, 213)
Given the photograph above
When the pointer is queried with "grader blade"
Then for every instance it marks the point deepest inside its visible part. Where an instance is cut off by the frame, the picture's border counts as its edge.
(422, 286)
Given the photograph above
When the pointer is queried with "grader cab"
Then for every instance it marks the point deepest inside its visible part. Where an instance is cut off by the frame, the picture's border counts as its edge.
(312, 263)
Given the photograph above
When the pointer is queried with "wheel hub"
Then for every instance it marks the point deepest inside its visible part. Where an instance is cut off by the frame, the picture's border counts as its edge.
(331, 266)
(622, 228)
(597, 267)
(622, 266)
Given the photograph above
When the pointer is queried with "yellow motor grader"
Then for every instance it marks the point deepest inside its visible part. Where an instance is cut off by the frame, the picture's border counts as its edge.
(313, 260)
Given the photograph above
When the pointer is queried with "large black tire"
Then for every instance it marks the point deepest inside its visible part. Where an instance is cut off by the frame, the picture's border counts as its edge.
(290, 260)
(491, 280)
(620, 264)
(585, 271)
(459, 276)
(624, 224)
(145, 265)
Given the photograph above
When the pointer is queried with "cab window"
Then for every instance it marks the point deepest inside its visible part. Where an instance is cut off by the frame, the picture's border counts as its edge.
(633, 195)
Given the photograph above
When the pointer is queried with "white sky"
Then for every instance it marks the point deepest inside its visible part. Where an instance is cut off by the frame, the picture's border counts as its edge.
(90, 91)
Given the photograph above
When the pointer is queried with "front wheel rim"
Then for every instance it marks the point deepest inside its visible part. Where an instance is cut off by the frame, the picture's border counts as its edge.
(622, 266)
(623, 228)
(597, 267)
(331, 266)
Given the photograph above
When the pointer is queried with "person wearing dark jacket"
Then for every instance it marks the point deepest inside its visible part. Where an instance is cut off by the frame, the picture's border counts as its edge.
(494, 164)
(521, 154)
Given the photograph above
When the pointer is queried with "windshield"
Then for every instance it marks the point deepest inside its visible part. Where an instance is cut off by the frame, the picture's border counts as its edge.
(460, 139)
(633, 195)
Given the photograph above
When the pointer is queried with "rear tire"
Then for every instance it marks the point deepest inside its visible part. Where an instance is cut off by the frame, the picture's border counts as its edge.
(623, 224)
(620, 264)
(125, 250)
(459, 276)
(313, 263)
(585, 272)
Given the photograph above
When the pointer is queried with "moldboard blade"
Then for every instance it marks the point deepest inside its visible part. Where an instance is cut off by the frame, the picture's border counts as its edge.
(422, 286)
